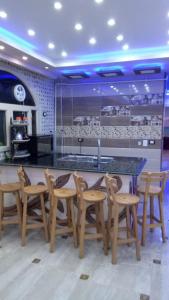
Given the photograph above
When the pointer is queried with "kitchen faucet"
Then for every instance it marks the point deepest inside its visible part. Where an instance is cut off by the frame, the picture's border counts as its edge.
(98, 151)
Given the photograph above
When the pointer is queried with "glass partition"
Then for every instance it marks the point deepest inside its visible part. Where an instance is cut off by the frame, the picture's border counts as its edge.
(126, 117)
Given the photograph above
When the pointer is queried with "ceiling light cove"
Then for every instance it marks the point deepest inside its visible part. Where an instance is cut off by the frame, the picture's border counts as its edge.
(111, 22)
(99, 1)
(2, 47)
(119, 37)
(64, 54)
(31, 32)
(125, 47)
(58, 5)
(92, 41)
(51, 46)
(78, 26)
(3, 14)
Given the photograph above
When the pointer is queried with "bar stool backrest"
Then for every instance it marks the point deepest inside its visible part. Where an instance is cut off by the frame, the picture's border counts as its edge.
(111, 186)
(154, 178)
(23, 178)
(22, 171)
(80, 187)
(49, 181)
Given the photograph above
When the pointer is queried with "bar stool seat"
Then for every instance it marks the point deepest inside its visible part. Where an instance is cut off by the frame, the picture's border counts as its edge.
(63, 193)
(10, 188)
(35, 189)
(125, 199)
(154, 190)
(93, 196)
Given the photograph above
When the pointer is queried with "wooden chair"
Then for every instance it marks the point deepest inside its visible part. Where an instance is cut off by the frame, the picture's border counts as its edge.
(86, 197)
(152, 185)
(68, 225)
(5, 219)
(28, 191)
(116, 201)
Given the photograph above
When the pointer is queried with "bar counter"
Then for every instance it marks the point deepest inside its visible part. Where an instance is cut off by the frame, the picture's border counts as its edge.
(131, 166)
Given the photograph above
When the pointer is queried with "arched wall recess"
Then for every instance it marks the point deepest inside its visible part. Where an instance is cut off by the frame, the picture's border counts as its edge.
(14, 91)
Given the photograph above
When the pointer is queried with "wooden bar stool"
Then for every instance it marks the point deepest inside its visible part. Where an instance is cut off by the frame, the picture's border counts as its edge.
(117, 201)
(27, 192)
(89, 197)
(10, 188)
(152, 185)
(68, 224)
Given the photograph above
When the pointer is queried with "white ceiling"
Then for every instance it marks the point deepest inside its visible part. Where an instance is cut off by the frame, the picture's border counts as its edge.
(144, 24)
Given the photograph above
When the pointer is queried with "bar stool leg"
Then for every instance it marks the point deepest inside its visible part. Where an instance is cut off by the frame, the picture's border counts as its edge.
(53, 224)
(115, 233)
(73, 222)
(50, 214)
(136, 232)
(78, 223)
(144, 224)
(82, 231)
(97, 219)
(44, 219)
(103, 228)
(1, 213)
(109, 224)
(24, 219)
(68, 212)
(19, 209)
(151, 211)
(160, 201)
(128, 223)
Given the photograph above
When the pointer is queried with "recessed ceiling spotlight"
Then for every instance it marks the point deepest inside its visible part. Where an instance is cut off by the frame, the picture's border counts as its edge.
(78, 26)
(46, 67)
(99, 1)
(125, 47)
(167, 42)
(51, 46)
(64, 53)
(3, 14)
(2, 47)
(111, 22)
(31, 32)
(58, 5)
(24, 57)
(168, 14)
(92, 41)
(119, 37)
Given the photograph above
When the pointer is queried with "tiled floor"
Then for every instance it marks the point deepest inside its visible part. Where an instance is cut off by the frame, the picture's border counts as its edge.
(57, 275)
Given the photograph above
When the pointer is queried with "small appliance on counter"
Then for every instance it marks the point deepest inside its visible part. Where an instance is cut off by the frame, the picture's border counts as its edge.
(19, 139)
(40, 145)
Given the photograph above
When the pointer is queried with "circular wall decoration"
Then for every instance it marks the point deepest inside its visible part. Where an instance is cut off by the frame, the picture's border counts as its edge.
(19, 92)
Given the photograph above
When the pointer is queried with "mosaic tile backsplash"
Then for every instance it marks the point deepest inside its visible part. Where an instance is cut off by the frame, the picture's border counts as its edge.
(110, 132)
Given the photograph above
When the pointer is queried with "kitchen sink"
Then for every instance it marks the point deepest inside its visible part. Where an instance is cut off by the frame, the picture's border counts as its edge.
(86, 158)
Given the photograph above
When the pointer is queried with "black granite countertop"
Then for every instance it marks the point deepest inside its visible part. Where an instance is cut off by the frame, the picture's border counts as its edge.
(118, 165)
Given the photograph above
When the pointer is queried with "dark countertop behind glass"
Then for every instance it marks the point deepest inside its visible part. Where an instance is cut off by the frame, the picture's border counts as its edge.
(119, 165)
